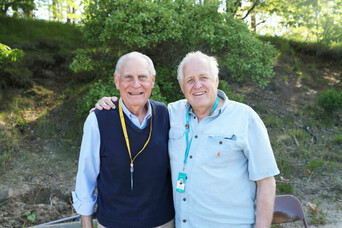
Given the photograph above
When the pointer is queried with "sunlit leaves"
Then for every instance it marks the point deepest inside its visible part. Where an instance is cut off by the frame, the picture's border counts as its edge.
(10, 55)
(167, 30)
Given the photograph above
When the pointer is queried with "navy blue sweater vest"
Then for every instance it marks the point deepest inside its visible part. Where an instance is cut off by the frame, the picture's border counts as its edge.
(150, 203)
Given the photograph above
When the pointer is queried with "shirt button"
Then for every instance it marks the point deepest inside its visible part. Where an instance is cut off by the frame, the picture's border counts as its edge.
(194, 117)
(184, 199)
(220, 142)
(196, 136)
(190, 156)
(184, 220)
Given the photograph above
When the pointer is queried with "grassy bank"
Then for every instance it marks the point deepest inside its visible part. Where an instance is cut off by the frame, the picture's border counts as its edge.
(18, 31)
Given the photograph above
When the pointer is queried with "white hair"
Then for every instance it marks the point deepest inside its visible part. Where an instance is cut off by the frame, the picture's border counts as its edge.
(134, 54)
(192, 55)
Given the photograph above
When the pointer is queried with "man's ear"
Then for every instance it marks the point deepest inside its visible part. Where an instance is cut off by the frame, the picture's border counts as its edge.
(181, 86)
(116, 80)
(153, 80)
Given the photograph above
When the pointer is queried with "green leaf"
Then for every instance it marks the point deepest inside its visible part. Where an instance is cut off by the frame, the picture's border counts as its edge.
(31, 217)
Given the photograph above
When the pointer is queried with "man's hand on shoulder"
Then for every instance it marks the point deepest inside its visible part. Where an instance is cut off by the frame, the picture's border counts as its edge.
(105, 103)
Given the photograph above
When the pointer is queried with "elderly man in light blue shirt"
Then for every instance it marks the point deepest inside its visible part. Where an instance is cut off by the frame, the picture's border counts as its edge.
(221, 159)
(221, 152)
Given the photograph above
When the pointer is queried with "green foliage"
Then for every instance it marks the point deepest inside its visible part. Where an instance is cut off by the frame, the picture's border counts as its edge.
(81, 62)
(284, 188)
(166, 78)
(97, 90)
(167, 30)
(317, 217)
(30, 216)
(338, 139)
(330, 100)
(310, 20)
(8, 55)
(315, 163)
(17, 6)
(223, 85)
(272, 121)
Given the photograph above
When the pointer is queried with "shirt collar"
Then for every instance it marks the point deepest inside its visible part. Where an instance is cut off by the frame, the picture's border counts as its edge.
(218, 111)
(133, 118)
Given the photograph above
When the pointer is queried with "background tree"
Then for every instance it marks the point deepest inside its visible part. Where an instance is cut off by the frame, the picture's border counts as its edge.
(19, 7)
(167, 30)
(310, 20)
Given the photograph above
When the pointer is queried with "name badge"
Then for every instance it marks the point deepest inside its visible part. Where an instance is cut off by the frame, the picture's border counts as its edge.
(181, 182)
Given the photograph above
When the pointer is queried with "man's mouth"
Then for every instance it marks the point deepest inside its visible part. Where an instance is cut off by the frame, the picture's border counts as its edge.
(199, 93)
(135, 93)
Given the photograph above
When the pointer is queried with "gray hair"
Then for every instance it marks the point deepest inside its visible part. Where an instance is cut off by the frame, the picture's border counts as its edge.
(191, 55)
(135, 54)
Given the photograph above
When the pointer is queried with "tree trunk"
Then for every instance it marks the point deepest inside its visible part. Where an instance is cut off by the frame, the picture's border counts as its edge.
(253, 22)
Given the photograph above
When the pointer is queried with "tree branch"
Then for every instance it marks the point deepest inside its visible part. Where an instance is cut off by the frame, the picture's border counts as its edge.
(255, 3)
(263, 21)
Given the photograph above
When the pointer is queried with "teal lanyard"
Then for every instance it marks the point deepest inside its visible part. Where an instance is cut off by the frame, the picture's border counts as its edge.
(187, 126)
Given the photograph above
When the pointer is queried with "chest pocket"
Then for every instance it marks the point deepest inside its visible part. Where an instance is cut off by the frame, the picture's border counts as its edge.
(176, 143)
(221, 150)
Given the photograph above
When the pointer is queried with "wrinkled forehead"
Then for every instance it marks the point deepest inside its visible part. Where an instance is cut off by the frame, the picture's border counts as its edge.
(197, 66)
(135, 65)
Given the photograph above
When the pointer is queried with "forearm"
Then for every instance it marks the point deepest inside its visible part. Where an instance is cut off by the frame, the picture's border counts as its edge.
(265, 202)
(87, 221)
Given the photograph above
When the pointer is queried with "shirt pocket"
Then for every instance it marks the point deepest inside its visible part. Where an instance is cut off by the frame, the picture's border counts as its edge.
(176, 143)
(220, 150)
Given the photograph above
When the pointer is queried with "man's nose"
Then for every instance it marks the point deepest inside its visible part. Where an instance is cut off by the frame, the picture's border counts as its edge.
(198, 84)
(136, 82)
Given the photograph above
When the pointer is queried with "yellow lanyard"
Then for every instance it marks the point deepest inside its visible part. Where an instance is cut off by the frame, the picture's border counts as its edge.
(123, 124)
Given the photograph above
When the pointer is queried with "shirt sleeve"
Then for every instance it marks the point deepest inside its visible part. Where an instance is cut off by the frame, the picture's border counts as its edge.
(84, 197)
(261, 161)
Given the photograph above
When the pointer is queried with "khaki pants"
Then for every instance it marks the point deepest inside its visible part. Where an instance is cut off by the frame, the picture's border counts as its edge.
(170, 224)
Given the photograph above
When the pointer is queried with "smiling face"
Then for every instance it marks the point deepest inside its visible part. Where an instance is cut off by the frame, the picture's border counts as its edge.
(135, 83)
(199, 85)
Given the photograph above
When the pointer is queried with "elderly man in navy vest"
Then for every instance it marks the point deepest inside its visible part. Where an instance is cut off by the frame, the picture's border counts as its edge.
(124, 155)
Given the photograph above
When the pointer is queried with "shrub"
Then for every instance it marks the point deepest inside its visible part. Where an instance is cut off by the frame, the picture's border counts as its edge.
(81, 62)
(330, 100)
(97, 90)
(167, 30)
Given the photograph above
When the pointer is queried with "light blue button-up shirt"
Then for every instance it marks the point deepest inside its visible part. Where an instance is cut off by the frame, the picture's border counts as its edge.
(230, 150)
(84, 198)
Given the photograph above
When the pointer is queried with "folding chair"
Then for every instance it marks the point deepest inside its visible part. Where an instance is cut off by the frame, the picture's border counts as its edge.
(287, 208)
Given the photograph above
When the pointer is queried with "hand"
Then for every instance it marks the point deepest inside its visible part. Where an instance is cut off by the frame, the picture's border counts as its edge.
(105, 103)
